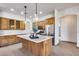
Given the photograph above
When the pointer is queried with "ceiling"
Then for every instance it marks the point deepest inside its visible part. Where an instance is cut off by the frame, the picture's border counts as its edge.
(46, 8)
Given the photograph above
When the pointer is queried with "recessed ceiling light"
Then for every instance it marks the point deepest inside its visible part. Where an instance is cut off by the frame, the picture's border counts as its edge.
(11, 9)
(22, 13)
(40, 12)
(30, 16)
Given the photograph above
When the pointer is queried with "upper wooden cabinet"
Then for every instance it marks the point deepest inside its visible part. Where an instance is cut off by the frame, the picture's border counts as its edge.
(17, 24)
(42, 24)
(22, 25)
(11, 24)
(50, 20)
(4, 23)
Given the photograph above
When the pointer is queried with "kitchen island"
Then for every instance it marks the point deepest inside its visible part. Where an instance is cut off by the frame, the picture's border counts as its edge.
(40, 47)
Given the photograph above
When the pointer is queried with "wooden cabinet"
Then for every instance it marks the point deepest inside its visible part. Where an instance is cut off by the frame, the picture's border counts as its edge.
(42, 24)
(7, 40)
(22, 25)
(48, 21)
(17, 25)
(11, 24)
(39, 49)
(3, 41)
(11, 39)
(4, 23)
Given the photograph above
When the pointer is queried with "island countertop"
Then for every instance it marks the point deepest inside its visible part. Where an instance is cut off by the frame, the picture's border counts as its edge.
(38, 40)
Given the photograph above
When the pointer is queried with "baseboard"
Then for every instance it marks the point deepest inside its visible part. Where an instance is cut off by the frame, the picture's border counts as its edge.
(69, 42)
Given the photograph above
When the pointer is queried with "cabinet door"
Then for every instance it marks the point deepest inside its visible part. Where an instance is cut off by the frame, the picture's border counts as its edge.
(3, 41)
(4, 24)
(50, 21)
(12, 24)
(22, 25)
(17, 25)
(0, 24)
(11, 39)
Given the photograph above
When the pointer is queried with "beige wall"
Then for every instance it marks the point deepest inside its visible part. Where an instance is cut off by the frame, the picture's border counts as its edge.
(69, 28)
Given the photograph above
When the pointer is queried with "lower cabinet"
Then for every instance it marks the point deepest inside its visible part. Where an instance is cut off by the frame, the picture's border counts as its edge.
(37, 49)
(8, 40)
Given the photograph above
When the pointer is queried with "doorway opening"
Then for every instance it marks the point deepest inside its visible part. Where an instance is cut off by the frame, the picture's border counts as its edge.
(68, 28)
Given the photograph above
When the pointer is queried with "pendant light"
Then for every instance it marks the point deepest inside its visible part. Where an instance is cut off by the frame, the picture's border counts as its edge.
(36, 14)
(25, 12)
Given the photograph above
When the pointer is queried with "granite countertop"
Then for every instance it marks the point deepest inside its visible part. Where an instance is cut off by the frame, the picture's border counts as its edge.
(38, 40)
(11, 34)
